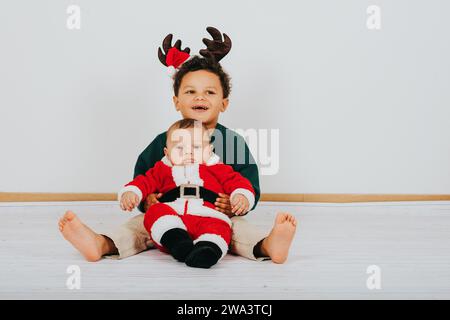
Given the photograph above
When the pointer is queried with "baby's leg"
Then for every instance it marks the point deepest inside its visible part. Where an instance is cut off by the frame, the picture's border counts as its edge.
(168, 231)
(90, 244)
(212, 238)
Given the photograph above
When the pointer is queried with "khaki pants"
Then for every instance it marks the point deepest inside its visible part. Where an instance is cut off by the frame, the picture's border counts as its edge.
(131, 238)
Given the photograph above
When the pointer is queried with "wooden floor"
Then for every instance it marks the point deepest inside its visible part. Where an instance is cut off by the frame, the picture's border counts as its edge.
(334, 245)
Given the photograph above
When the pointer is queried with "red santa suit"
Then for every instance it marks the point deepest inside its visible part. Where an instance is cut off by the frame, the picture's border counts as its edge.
(198, 217)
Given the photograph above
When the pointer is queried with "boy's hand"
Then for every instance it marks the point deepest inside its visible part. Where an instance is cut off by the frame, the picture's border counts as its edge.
(239, 204)
(129, 201)
(151, 200)
(223, 204)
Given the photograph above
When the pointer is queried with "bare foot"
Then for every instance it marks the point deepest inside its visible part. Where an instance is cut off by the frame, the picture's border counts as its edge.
(86, 241)
(277, 243)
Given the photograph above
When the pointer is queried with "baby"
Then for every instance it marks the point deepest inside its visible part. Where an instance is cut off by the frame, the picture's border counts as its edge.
(190, 176)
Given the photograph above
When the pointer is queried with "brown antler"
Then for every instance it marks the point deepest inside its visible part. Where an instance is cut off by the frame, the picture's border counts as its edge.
(167, 45)
(217, 47)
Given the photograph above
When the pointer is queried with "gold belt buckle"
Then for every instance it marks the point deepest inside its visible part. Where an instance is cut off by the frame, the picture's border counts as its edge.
(184, 186)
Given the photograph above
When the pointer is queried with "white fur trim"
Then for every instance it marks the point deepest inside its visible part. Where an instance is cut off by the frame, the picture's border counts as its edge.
(166, 161)
(211, 213)
(214, 238)
(177, 205)
(193, 174)
(195, 207)
(131, 188)
(214, 159)
(164, 224)
(246, 193)
(171, 70)
(187, 174)
(178, 175)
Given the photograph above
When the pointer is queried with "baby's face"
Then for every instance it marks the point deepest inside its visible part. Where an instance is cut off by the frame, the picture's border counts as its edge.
(188, 146)
(200, 97)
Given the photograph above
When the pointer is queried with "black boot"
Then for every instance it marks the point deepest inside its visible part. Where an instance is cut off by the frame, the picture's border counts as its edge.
(178, 243)
(204, 255)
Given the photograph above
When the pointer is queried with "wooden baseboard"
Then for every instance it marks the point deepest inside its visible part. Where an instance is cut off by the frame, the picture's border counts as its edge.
(276, 197)
(342, 198)
(37, 197)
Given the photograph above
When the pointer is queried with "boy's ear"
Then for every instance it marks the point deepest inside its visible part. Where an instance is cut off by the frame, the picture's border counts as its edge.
(166, 152)
(175, 102)
(225, 103)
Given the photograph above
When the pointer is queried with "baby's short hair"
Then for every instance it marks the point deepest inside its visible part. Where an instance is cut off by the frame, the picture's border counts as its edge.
(201, 63)
(187, 124)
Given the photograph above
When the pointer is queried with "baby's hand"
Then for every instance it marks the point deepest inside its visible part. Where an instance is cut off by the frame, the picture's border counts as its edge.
(129, 201)
(239, 204)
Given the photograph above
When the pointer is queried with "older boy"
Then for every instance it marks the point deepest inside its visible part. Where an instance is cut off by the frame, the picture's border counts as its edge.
(201, 90)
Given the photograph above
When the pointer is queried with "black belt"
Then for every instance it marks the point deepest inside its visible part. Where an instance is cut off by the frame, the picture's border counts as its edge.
(189, 191)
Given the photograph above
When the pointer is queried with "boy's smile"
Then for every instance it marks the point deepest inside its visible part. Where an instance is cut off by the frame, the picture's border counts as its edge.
(200, 97)
(200, 108)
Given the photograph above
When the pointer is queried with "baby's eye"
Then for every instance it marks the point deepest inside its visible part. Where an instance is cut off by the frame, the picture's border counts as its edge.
(190, 91)
(211, 92)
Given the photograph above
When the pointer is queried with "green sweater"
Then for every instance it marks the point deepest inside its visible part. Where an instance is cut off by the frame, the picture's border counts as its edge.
(242, 162)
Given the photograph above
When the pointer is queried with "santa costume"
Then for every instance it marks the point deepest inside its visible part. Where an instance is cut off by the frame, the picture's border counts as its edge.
(185, 222)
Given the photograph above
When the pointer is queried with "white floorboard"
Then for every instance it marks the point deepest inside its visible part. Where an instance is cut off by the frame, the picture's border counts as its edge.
(334, 245)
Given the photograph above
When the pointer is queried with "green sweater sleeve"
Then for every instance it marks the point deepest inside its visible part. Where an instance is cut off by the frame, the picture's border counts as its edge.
(250, 171)
(147, 159)
(234, 151)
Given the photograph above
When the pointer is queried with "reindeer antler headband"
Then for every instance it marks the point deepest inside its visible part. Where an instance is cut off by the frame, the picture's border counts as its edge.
(173, 56)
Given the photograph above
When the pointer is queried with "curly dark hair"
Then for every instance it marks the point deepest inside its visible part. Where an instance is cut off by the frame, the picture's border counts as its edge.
(201, 63)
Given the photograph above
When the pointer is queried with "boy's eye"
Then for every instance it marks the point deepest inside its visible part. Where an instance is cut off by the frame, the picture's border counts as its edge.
(179, 147)
(197, 147)
(190, 91)
(211, 92)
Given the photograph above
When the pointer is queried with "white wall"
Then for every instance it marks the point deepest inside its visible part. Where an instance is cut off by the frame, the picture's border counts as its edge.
(358, 110)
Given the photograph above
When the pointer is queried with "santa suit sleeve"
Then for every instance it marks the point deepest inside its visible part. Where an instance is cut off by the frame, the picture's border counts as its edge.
(143, 185)
(233, 182)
